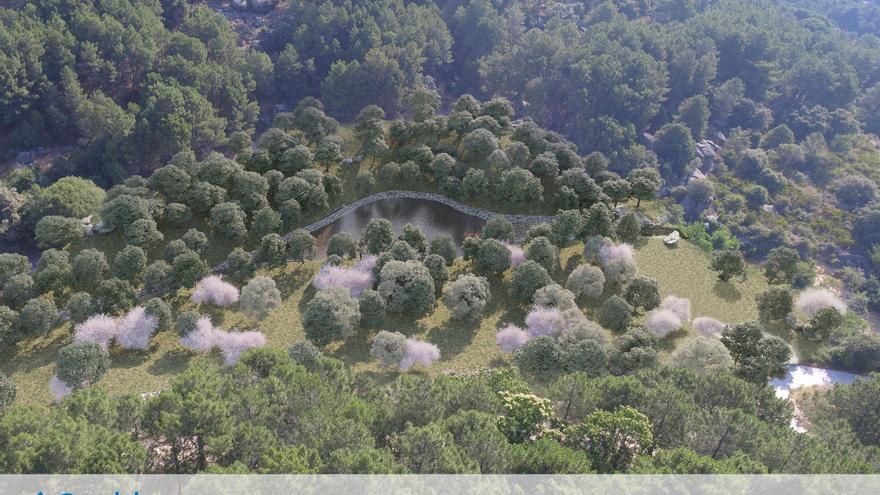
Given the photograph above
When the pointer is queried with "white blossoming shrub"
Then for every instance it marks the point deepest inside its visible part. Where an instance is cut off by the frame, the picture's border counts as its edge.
(214, 290)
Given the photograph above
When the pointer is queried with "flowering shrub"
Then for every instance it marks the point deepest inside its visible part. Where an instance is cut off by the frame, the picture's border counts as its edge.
(100, 329)
(418, 352)
(680, 306)
(545, 321)
(60, 390)
(708, 327)
(356, 279)
(510, 338)
(136, 328)
(662, 322)
(517, 255)
(231, 344)
(811, 301)
(214, 290)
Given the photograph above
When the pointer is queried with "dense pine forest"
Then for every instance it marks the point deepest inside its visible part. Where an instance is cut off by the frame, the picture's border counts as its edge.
(678, 201)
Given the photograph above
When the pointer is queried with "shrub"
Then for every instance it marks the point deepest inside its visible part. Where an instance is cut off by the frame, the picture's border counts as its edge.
(195, 240)
(233, 344)
(129, 264)
(542, 251)
(12, 264)
(55, 231)
(365, 183)
(443, 245)
(80, 306)
(7, 392)
(202, 337)
(586, 356)
(228, 221)
(578, 331)
(174, 248)
(587, 281)
(545, 321)
(291, 213)
(662, 322)
(265, 221)
(528, 278)
(499, 228)
(157, 277)
(143, 232)
(214, 290)
(17, 290)
(467, 296)
(136, 328)
(619, 262)
(642, 292)
(116, 296)
(37, 316)
(377, 236)
(492, 257)
(161, 311)
(628, 228)
(417, 352)
(811, 301)
(510, 338)
(681, 307)
(517, 255)
(436, 266)
(372, 308)
(188, 268)
(259, 297)
(240, 263)
(272, 250)
(708, 327)
(186, 322)
(100, 329)
(541, 357)
(414, 236)
(177, 213)
(89, 267)
(727, 262)
(407, 288)
(342, 244)
(388, 347)
(356, 279)
(702, 354)
(615, 313)
(331, 315)
(305, 353)
(81, 364)
(301, 244)
(774, 303)
(554, 296)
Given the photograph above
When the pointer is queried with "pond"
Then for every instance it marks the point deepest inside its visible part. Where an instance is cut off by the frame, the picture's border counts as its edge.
(801, 376)
(432, 217)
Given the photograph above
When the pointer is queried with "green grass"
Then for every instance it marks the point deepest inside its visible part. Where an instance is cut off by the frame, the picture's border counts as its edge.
(682, 271)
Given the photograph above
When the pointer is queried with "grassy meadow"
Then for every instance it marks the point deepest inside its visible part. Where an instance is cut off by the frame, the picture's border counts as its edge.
(682, 271)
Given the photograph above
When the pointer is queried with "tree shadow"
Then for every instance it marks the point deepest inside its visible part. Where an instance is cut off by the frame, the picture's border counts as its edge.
(453, 337)
(172, 362)
(572, 263)
(726, 291)
(294, 276)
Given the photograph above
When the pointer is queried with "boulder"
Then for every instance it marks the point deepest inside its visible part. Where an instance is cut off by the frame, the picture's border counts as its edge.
(103, 228)
(239, 4)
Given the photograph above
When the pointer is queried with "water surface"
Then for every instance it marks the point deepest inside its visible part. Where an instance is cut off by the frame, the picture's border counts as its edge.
(432, 217)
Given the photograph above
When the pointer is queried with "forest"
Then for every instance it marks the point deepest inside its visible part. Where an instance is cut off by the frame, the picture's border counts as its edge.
(678, 199)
